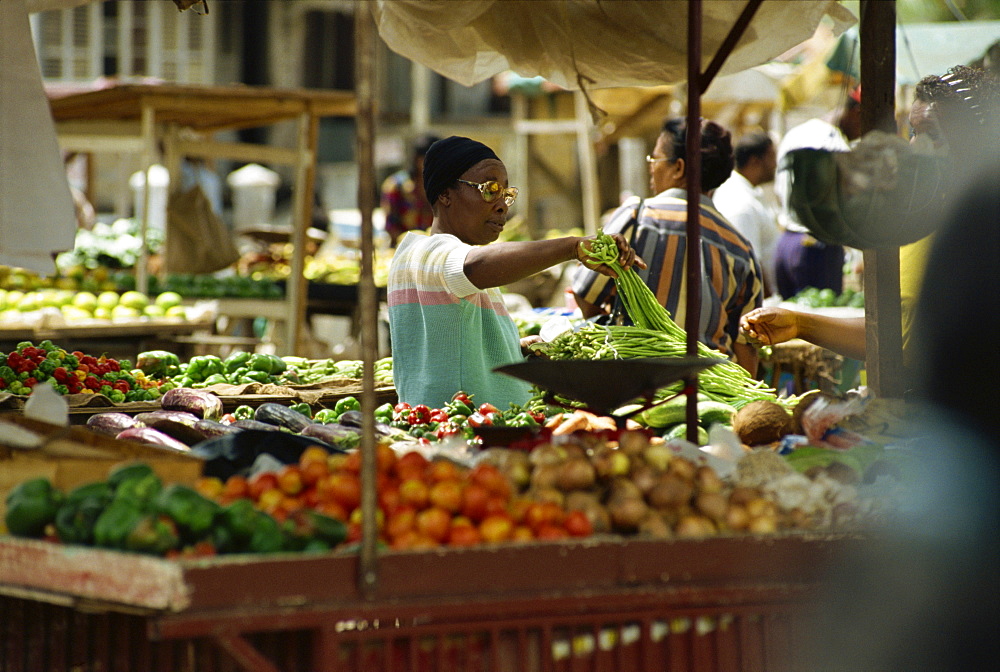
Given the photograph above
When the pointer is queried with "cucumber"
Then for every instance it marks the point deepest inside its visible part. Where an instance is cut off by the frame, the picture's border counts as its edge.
(679, 431)
(711, 412)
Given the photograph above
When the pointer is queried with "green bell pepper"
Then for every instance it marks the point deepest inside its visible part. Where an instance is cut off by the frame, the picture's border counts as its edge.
(76, 517)
(346, 404)
(254, 376)
(383, 413)
(243, 412)
(267, 536)
(236, 360)
(158, 363)
(142, 491)
(31, 506)
(306, 525)
(116, 522)
(326, 416)
(125, 472)
(154, 534)
(216, 379)
(193, 512)
(303, 408)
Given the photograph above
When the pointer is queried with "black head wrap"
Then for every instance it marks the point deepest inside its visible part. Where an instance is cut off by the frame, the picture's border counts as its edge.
(447, 159)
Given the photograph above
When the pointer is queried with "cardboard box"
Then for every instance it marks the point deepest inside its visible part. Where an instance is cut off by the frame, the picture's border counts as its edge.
(74, 455)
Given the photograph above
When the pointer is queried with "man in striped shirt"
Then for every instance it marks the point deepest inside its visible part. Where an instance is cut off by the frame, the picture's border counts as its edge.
(732, 277)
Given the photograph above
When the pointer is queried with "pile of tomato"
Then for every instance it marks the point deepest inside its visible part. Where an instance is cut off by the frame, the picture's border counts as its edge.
(460, 416)
(421, 503)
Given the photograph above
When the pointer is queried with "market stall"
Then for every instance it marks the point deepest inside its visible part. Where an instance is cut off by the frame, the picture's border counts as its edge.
(687, 588)
(135, 118)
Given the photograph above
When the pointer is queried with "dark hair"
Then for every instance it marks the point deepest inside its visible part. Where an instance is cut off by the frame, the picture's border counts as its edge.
(969, 95)
(716, 149)
(751, 145)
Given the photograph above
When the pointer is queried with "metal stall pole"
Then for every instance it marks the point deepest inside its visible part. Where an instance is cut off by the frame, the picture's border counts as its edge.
(693, 168)
(698, 82)
(368, 307)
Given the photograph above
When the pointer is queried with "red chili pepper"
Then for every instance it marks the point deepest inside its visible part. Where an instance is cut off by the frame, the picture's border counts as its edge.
(538, 417)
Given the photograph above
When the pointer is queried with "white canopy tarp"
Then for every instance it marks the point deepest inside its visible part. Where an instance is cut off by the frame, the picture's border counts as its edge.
(37, 216)
(589, 43)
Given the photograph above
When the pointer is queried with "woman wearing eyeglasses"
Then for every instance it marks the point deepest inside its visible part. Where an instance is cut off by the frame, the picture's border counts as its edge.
(731, 278)
(447, 319)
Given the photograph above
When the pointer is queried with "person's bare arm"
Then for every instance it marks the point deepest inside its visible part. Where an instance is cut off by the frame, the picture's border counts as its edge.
(499, 264)
(773, 325)
(587, 309)
(746, 356)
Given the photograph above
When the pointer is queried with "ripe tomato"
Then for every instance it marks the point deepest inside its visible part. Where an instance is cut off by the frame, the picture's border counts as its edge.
(464, 535)
(474, 499)
(312, 471)
(551, 531)
(314, 453)
(578, 524)
(235, 487)
(209, 486)
(496, 527)
(290, 479)
(435, 523)
(410, 463)
(342, 487)
(261, 483)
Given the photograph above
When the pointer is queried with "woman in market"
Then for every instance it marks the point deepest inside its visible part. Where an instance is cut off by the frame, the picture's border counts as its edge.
(447, 318)
(954, 115)
(732, 282)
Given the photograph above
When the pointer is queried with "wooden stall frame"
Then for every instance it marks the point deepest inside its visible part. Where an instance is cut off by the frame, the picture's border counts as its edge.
(133, 118)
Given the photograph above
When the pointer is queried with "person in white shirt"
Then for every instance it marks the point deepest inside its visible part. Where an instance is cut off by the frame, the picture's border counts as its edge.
(800, 259)
(741, 199)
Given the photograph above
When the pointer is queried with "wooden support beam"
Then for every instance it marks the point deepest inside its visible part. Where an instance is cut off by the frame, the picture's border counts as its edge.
(883, 313)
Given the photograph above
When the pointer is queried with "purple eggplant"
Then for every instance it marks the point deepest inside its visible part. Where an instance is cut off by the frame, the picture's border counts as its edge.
(153, 437)
(197, 402)
(150, 418)
(247, 423)
(340, 436)
(111, 423)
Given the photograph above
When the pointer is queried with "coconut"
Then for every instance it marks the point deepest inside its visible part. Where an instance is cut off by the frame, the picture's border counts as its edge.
(761, 422)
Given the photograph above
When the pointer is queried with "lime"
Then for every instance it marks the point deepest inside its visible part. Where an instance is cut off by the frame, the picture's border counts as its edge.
(85, 301)
(168, 300)
(134, 299)
(123, 312)
(107, 299)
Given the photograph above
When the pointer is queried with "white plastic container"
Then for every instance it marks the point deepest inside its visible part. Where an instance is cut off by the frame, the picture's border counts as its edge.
(159, 184)
(254, 190)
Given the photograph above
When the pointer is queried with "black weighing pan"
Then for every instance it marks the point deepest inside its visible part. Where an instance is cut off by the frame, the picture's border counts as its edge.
(606, 384)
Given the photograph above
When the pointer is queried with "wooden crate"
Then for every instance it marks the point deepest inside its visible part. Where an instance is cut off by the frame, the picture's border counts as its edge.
(71, 456)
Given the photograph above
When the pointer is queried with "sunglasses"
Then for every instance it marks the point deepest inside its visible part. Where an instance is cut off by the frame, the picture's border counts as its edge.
(492, 190)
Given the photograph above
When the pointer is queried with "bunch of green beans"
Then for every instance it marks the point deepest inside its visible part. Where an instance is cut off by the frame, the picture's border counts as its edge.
(727, 381)
(639, 301)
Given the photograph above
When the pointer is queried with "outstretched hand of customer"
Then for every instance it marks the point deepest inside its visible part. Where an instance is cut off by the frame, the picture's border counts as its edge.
(769, 325)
